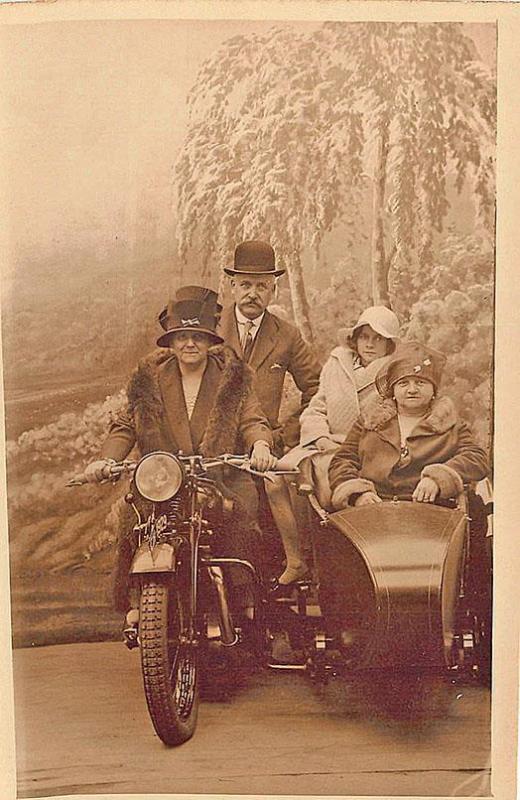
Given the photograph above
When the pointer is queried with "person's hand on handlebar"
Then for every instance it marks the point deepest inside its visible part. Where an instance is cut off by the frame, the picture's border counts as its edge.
(261, 457)
(426, 491)
(367, 498)
(98, 471)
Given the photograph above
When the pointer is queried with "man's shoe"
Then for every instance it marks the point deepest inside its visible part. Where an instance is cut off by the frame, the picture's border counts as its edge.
(282, 591)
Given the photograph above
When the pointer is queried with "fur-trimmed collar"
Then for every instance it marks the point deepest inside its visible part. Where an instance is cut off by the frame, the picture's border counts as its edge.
(442, 416)
(214, 426)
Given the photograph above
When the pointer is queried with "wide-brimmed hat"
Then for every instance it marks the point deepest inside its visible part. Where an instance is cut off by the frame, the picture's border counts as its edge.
(254, 258)
(193, 308)
(381, 319)
(413, 360)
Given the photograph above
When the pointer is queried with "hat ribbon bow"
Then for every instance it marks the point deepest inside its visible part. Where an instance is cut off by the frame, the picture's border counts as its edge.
(194, 321)
(426, 363)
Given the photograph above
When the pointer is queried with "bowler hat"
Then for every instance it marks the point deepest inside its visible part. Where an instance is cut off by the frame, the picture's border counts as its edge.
(254, 258)
(193, 308)
(414, 360)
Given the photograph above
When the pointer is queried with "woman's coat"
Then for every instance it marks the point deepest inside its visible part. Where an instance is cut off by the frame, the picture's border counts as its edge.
(227, 417)
(440, 447)
(342, 393)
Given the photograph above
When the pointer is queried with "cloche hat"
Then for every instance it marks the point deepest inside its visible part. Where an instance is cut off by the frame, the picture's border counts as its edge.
(254, 258)
(193, 308)
(413, 360)
(381, 319)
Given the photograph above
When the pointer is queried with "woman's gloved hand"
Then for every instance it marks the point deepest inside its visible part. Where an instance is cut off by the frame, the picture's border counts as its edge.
(426, 491)
(367, 498)
(261, 457)
(97, 471)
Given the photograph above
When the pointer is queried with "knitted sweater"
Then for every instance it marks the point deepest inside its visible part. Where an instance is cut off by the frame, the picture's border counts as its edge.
(343, 393)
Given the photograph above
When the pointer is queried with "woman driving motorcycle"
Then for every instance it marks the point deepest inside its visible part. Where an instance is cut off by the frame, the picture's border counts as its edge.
(186, 398)
(412, 443)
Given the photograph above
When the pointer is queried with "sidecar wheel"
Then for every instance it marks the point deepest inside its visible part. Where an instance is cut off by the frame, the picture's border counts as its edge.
(480, 606)
(168, 661)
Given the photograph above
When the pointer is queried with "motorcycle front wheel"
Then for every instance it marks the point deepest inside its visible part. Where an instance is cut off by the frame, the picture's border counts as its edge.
(168, 660)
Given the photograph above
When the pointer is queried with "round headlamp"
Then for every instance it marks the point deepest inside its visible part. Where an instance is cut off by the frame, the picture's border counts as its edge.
(158, 477)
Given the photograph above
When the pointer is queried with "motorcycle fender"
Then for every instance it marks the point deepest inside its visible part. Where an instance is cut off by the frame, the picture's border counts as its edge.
(160, 559)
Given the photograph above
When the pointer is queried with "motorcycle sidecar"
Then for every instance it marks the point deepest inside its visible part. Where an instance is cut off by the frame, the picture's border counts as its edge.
(402, 585)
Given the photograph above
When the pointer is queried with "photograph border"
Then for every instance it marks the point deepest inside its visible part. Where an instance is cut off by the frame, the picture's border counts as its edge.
(507, 339)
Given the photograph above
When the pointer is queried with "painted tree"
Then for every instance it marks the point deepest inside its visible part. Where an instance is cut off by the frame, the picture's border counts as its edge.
(259, 159)
(289, 133)
(428, 109)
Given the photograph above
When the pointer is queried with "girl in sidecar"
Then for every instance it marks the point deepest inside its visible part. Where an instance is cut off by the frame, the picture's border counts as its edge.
(347, 386)
(392, 574)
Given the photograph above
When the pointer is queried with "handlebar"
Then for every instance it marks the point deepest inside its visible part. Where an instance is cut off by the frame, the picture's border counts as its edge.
(112, 472)
(448, 502)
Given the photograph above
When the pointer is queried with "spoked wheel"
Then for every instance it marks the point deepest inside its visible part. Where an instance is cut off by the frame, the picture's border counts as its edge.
(168, 660)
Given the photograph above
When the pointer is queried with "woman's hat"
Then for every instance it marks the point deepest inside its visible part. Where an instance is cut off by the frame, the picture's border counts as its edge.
(254, 258)
(381, 319)
(194, 308)
(413, 360)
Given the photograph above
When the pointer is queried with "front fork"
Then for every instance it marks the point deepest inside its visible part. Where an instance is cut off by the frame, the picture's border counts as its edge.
(228, 634)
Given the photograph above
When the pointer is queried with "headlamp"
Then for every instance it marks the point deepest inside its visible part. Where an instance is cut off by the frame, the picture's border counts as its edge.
(159, 476)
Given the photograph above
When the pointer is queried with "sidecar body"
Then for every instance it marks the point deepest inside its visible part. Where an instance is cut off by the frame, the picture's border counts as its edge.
(403, 585)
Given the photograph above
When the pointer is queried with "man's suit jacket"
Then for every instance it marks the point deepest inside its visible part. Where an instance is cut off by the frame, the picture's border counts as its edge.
(278, 349)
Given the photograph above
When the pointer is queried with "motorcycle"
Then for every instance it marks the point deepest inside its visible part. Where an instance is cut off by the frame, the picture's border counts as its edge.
(398, 585)
(178, 578)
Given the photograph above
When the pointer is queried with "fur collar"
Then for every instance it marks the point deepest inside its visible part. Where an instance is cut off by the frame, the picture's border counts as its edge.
(220, 426)
(442, 416)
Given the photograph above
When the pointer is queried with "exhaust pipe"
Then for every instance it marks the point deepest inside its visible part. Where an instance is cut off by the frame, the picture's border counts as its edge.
(228, 634)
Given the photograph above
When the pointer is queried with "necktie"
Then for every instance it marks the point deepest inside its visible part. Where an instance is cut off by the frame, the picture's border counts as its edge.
(247, 339)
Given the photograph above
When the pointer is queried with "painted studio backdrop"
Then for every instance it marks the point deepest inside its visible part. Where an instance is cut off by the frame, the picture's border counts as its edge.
(141, 153)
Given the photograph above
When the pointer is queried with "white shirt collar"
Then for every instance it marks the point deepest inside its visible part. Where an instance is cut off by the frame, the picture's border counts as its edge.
(242, 320)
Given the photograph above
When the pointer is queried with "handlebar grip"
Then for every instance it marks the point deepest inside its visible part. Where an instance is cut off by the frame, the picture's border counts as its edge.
(109, 471)
(77, 480)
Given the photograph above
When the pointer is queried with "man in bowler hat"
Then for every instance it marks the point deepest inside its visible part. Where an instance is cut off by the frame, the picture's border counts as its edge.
(270, 345)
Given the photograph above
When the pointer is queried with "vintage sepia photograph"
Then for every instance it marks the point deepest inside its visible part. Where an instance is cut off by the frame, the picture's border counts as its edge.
(248, 344)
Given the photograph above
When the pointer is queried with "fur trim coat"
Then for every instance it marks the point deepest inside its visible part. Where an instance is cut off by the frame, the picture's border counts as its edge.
(226, 419)
(440, 447)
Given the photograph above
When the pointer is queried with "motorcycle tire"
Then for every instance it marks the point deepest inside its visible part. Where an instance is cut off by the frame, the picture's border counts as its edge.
(169, 662)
